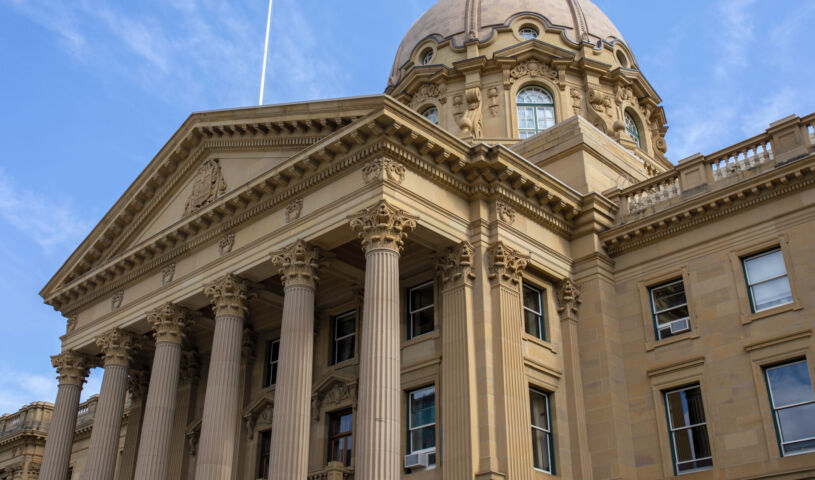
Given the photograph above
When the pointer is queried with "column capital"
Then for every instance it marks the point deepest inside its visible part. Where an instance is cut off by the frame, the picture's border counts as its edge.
(228, 295)
(382, 226)
(117, 347)
(456, 266)
(506, 265)
(298, 264)
(568, 298)
(168, 322)
(72, 367)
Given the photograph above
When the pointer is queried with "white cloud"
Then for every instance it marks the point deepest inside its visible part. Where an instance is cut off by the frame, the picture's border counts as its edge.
(735, 34)
(21, 388)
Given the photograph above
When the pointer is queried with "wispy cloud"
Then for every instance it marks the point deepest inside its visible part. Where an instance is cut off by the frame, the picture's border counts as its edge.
(19, 388)
(735, 34)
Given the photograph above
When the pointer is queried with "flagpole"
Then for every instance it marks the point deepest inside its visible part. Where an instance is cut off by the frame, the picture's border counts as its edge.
(265, 52)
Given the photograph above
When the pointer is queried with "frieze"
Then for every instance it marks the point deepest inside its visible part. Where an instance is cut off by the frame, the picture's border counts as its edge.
(116, 300)
(427, 91)
(225, 244)
(506, 213)
(383, 169)
(534, 69)
(167, 274)
(293, 210)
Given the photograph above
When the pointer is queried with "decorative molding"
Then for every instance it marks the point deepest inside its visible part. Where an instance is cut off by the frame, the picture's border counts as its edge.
(208, 184)
(293, 210)
(259, 415)
(577, 100)
(568, 298)
(533, 68)
(458, 107)
(228, 295)
(116, 300)
(676, 366)
(383, 169)
(167, 274)
(226, 243)
(600, 102)
(427, 91)
(471, 123)
(382, 226)
(333, 392)
(456, 267)
(778, 340)
(169, 322)
(248, 344)
(506, 265)
(117, 347)
(72, 367)
(70, 325)
(506, 213)
(298, 264)
(492, 94)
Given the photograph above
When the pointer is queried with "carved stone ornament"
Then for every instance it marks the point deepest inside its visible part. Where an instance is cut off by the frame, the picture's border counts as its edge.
(458, 107)
(193, 435)
(383, 169)
(298, 264)
(207, 186)
(226, 243)
(167, 274)
(492, 93)
(117, 347)
(70, 325)
(506, 213)
(505, 264)
(472, 121)
(533, 68)
(293, 210)
(259, 415)
(169, 322)
(382, 226)
(138, 380)
(116, 300)
(577, 98)
(568, 298)
(228, 295)
(456, 267)
(600, 102)
(427, 91)
(72, 367)
(333, 392)
(248, 344)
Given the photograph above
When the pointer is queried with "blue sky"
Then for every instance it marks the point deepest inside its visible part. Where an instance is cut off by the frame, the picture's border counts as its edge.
(92, 89)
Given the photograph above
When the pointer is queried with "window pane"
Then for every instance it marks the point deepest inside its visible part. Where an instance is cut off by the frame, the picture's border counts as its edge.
(423, 438)
(423, 407)
(540, 450)
(790, 384)
(345, 325)
(532, 299)
(695, 465)
(274, 355)
(691, 443)
(539, 414)
(799, 447)
(686, 407)
(345, 349)
(421, 297)
(422, 322)
(546, 117)
(526, 120)
(668, 296)
(797, 423)
(532, 324)
(772, 293)
(765, 266)
(671, 315)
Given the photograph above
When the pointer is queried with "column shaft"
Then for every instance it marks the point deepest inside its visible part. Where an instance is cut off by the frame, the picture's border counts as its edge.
(57, 455)
(379, 382)
(292, 419)
(107, 425)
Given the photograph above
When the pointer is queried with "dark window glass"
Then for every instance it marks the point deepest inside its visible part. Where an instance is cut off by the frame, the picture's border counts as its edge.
(264, 452)
(793, 402)
(343, 337)
(272, 355)
(340, 437)
(422, 420)
(669, 308)
(420, 310)
(542, 449)
(688, 429)
(534, 323)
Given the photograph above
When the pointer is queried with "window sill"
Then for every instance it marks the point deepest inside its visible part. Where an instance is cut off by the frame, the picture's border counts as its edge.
(541, 343)
(654, 344)
(345, 363)
(749, 318)
(421, 338)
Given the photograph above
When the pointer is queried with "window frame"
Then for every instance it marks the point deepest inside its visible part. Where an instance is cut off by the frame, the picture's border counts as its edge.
(628, 116)
(776, 422)
(531, 28)
(428, 109)
(750, 285)
(332, 435)
(264, 453)
(672, 430)
(335, 340)
(411, 428)
(655, 314)
(271, 365)
(411, 312)
(535, 106)
(548, 433)
(541, 315)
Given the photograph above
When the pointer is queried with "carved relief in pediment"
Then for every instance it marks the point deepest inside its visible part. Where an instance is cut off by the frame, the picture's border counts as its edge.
(258, 415)
(207, 186)
(333, 392)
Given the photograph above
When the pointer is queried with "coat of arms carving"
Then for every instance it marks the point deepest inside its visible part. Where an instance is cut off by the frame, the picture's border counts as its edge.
(207, 186)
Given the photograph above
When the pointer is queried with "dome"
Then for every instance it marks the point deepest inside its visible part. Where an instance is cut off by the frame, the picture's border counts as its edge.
(464, 20)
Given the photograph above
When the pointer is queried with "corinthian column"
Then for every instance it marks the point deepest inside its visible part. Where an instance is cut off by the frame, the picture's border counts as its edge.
(72, 369)
(382, 229)
(153, 461)
(298, 265)
(216, 449)
(116, 347)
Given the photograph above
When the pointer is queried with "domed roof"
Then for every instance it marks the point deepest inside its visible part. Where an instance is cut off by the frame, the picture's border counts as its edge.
(464, 20)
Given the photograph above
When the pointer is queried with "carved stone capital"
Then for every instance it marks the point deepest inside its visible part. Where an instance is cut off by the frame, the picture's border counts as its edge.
(117, 347)
(383, 169)
(228, 295)
(506, 265)
(169, 322)
(298, 263)
(456, 266)
(382, 226)
(568, 298)
(72, 367)
(138, 381)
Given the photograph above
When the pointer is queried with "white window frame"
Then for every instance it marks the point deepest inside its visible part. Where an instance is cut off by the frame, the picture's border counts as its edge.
(671, 431)
(335, 340)
(412, 428)
(411, 311)
(273, 363)
(751, 285)
(655, 313)
(546, 431)
(775, 410)
(539, 314)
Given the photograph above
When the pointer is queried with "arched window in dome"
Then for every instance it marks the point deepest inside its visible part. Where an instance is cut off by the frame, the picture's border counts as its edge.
(427, 56)
(432, 114)
(528, 32)
(536, 111)
(632, 128)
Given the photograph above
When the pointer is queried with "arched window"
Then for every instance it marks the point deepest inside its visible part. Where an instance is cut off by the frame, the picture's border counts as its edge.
(536, 111)
(427, 56)
(528, 32)
(632, 128)
(432, 114)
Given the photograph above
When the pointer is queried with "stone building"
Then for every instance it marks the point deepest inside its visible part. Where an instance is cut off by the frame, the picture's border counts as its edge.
(490, 272)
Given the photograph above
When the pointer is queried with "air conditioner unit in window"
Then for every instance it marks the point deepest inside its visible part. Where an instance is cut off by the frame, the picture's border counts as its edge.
(417, 460)
(679, 326)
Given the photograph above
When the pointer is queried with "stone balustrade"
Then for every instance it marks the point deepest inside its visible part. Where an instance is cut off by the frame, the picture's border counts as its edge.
(33, 417)
(334, 471)
(86, 412)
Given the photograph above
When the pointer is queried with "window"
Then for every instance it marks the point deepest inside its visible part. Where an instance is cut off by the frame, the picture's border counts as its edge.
(767, 282)
(70, 473)
(793, 403)
(669, 307)
(343, 337)
(427, 56)
(632, 129)
(420, 310)
(528, 32)
(686, 421)
(422, 421)
(432, 114)
(542, 449)
(536, 111)
(622, 59)
(272, 355)
(264, 453)
(533, 312)
(340, 437)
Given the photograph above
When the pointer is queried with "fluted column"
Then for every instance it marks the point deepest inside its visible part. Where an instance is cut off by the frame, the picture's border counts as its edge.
(116, 347)
(137, 383)
(298, 264)
(153, 461)
(219, 423)
(382, 229)
(72, 369)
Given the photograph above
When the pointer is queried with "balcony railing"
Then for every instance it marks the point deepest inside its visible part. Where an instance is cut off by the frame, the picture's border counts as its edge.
(334, 471)
(35, 416)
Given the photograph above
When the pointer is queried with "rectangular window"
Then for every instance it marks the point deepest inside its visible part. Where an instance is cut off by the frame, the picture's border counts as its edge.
(767, 281)
(793, 402)
(422, 422)
(534, 322)
(542, 447)
(669, 307)
(264, 453)
(420, 310)
(690, 443)
(343, 337)
(272, 355)
(340, 437)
